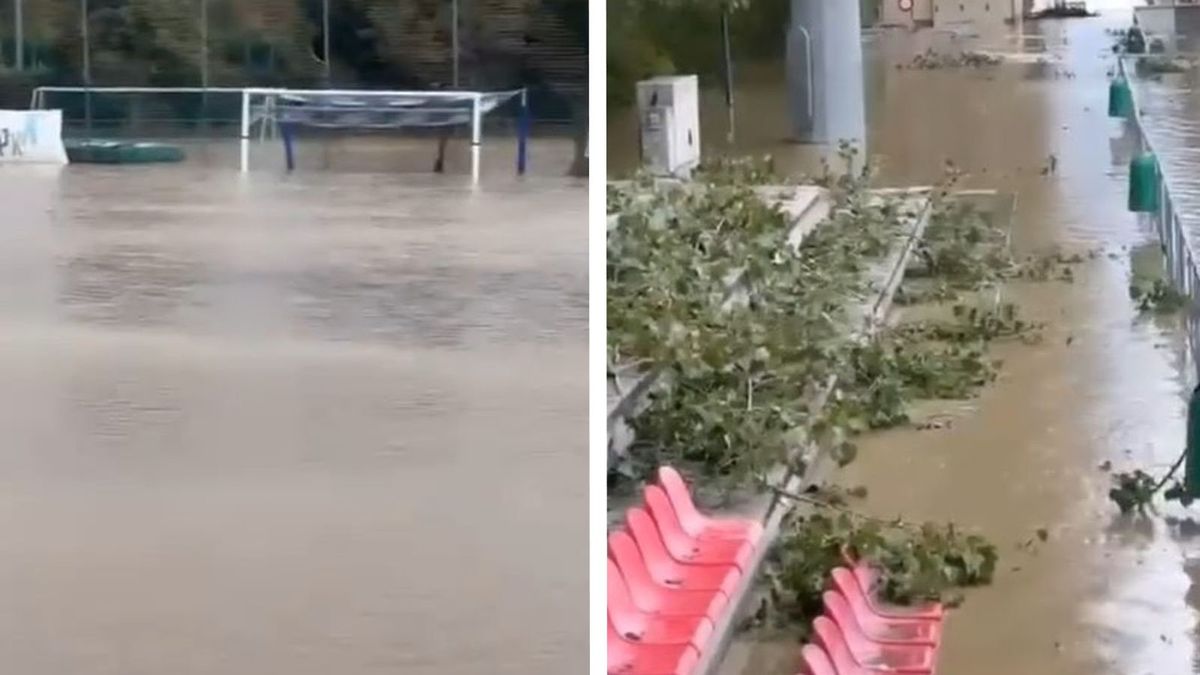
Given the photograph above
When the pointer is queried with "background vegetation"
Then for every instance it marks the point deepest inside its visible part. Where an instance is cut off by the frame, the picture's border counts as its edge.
(373, 43)
(657, 37)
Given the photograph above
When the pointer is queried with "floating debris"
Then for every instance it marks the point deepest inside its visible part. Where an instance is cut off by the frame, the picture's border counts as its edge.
(933, 60)
(1159, 65)
(1068, 10)
(1157, 296)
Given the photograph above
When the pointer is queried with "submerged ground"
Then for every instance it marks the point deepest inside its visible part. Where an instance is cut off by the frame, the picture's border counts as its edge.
(324, 423)
(1104, 594)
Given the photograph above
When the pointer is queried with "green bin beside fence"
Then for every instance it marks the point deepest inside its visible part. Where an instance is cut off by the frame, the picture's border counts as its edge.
(1143, 183)
(1120, 98)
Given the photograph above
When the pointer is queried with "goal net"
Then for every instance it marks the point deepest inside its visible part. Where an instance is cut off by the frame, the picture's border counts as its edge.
(361, 109)
(276, 114)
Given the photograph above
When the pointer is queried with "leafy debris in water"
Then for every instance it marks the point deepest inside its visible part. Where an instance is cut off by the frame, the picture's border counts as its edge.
(931, 59)
(1159, 65)
(1156, 296)
(1132, 491)
(918, 563)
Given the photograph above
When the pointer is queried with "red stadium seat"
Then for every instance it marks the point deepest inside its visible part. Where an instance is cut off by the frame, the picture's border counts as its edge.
(687, 549)
(628, 658)
(913, 660)
(918, 631)
(633, 625)
(653, 598)
(664, 569)
(696, 524)
(816, 662)
(867, 579)
(830, 639)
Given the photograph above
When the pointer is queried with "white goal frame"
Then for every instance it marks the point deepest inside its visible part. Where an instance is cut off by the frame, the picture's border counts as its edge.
(259, 107)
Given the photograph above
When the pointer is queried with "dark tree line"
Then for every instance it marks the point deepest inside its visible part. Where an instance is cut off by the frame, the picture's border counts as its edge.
(397, 44)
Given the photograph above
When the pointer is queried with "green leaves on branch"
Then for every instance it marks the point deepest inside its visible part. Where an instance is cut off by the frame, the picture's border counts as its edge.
(918, 562)
(924, 360)
(746, 328)
(962, 250)
(739, 171)
(748, 331)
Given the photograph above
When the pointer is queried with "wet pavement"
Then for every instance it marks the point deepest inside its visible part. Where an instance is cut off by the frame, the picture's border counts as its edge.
(325, 423)
(1104, 594)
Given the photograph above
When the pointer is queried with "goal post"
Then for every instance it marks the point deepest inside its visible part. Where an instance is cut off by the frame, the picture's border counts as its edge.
(266, 111)
(288, 109)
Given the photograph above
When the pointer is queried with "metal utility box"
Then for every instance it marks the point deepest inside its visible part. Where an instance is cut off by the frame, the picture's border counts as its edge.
(669, 124)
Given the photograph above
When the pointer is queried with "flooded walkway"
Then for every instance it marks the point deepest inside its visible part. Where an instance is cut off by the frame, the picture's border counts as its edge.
(1104, 594)
(307, 425)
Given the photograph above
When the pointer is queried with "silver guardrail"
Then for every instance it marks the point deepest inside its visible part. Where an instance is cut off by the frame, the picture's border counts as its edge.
(1177, 246)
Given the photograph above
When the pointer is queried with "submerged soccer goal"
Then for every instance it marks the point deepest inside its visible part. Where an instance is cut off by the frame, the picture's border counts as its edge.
(271, 113)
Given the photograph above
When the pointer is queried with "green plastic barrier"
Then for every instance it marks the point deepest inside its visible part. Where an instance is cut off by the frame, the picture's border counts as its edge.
(1191, 470)
(1120, 98)
(90, 151)
(1143, 183)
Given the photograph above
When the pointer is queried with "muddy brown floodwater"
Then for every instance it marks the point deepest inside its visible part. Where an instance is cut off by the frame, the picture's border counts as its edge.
(1104, 594)
(323, 423)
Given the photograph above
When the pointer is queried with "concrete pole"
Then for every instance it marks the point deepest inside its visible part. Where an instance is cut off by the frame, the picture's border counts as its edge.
(825, 74)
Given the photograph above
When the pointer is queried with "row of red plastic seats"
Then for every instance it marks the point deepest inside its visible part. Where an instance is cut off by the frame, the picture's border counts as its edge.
(859, 635)
(672, 572)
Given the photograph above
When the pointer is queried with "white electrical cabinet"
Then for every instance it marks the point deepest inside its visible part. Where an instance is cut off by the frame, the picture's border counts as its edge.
(669, 123)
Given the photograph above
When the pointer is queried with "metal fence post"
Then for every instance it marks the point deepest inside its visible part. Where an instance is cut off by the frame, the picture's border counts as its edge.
(87, 64)
(19, 20)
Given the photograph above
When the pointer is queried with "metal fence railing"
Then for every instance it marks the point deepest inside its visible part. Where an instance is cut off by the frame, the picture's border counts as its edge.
(1177, 247)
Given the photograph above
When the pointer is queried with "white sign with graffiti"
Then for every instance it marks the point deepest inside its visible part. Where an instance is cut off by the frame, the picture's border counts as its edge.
(31, 137)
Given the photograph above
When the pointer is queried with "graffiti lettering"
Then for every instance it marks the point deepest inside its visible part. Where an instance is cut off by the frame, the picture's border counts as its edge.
(31, 136)
(12, 144)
